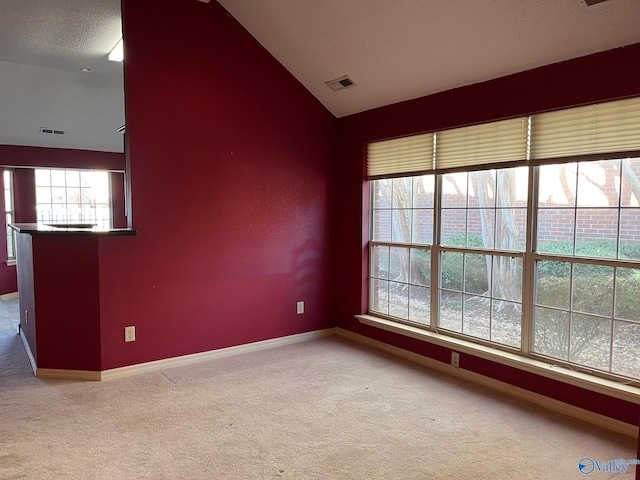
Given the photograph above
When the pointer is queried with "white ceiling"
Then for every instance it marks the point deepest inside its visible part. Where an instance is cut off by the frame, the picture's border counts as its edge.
(394, 50)
(43, 43)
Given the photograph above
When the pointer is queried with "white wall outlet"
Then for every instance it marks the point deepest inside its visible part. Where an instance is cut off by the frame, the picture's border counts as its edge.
(300, 308)
(129, 334)
(455, 359)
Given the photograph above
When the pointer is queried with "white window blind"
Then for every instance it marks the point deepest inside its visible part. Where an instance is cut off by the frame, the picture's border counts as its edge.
(399, 156)
(495, 142)
(601, 128)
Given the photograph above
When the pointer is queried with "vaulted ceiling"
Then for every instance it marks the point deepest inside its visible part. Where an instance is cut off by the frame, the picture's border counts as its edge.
(393, 50)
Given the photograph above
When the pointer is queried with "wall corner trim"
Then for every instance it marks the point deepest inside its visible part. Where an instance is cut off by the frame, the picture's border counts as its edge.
(557, 406)
(32, 360)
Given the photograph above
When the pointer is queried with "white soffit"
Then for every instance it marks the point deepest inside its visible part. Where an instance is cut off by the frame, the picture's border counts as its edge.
(88, 108)
(43, 44)
(397, 50)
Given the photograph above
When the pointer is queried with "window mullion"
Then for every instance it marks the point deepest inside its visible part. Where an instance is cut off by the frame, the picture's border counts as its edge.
(435, 254)
(528, 267)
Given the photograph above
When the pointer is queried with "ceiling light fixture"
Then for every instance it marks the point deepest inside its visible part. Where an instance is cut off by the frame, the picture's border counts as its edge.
(84, 69)
(117, 54)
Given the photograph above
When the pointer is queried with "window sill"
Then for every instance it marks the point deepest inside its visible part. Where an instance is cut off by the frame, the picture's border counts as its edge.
(592, 383)
(11, 262)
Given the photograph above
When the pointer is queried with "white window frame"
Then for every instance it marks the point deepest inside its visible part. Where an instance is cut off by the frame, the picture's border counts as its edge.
(88, 210)
(9, 213)
(430, 331)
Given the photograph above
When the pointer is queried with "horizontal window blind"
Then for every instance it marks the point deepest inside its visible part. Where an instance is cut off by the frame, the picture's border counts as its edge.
(602, 128)
(400, 156)
(496, 142)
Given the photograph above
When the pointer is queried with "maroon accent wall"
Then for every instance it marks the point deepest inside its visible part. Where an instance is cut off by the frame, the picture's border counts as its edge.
(24, 195)
(229, 167)
(603, 76)
(23, 156)
(65, 279)
(118, 214)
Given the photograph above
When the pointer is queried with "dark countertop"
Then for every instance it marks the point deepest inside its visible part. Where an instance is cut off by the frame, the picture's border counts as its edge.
(42, 229)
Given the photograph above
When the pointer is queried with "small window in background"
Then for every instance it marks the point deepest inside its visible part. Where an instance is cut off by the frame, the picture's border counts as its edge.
(9, 215)
(73, 196)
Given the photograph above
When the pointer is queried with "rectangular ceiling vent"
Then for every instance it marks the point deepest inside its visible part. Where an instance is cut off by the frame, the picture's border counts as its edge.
(340, 83)
(122, 129)
(51, 131)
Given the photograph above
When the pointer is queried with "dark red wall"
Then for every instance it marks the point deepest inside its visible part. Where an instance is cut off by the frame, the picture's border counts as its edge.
(229, 166)
(24, 195)
(67, 309)
(604, 76)
(21, 156)
(118, 214)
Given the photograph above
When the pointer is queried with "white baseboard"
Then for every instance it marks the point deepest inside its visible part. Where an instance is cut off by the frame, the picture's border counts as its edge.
(213, 354)
(9, 296)
(535, 398)
(177, 361)
(32, 360)
(61, 374)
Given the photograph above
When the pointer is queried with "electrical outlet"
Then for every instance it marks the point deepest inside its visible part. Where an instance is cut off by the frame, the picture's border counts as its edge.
(455, 359)
(300, 308)
(129, 334)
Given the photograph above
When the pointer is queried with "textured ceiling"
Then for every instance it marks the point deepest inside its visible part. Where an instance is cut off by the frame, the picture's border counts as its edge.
(394, 50)
(62, 34)
(43, 43)
(397, 50)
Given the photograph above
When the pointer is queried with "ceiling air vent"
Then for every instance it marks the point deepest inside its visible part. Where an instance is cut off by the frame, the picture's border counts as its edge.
(51, 131)
(340, 83)
(122, 129)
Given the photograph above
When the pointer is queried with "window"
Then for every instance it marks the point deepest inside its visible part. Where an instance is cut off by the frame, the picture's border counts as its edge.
(453, 246)
(9, 216)
(483, 227)
(401, 275)
(587, 275)
(73, 196)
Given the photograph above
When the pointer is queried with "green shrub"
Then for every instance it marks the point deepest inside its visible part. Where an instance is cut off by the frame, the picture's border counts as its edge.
(421, 264)
(593, 248)
(475, 265)
(474, 240)
(627, 298)
(475, 269)
(593, 295)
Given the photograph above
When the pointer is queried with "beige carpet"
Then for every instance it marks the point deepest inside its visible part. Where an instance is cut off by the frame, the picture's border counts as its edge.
(327, 409)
